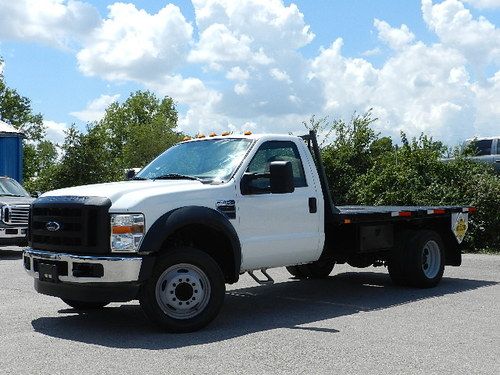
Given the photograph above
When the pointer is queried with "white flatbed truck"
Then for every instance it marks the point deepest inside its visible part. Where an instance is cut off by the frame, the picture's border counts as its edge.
(210, 209)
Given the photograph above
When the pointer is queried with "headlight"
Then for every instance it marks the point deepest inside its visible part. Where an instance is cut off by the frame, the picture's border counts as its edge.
(127, 231)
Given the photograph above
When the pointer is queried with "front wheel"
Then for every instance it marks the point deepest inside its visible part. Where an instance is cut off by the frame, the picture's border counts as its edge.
(185, 291)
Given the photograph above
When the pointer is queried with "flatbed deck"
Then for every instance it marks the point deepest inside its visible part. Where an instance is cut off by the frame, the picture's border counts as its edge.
(353, 214)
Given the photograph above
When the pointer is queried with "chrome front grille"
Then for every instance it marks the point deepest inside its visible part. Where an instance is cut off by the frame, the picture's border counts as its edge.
(16, 214)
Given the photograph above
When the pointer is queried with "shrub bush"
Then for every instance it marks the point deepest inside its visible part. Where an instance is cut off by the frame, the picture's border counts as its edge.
(363, 168)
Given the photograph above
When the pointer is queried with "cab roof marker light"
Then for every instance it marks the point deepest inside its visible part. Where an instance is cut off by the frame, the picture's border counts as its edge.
(187, 138)
(201, 135)
(213, 134)
(247, 132)
(225, 133)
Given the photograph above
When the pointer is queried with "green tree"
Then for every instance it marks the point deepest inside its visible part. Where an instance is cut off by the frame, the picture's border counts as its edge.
(140, 128)
(414, 174)
(130, 135)
(39, 161)
(351, 153)
(16, 110)
(86, 159)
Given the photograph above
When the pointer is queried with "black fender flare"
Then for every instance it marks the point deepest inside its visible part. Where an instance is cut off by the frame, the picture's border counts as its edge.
(173, 220)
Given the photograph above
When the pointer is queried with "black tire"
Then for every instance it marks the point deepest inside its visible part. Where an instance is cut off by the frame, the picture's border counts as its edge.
(83, 305)
(395, 262)
(296, 271)
(421, 261)
(187, 277)
(315, 270)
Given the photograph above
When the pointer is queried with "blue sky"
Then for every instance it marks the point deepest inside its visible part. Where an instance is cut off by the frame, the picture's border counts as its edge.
(422, 66)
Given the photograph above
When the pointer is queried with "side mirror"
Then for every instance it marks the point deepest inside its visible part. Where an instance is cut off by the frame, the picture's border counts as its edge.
(36, 194)
(281, 173)
(130, 174)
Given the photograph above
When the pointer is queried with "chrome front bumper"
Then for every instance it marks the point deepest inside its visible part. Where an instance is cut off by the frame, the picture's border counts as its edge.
(13, 232)
(115, 269)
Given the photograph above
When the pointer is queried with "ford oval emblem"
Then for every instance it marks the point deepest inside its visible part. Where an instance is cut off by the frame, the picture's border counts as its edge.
(52, 226)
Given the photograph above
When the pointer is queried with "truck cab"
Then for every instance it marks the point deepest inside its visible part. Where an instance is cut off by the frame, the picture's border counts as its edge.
(209, 209)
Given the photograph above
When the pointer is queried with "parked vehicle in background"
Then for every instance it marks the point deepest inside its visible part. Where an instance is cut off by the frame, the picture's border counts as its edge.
(487, 150)
(14, 209)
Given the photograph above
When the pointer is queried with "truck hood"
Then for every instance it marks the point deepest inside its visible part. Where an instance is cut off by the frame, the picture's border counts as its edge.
(15, 200)
(137, 188)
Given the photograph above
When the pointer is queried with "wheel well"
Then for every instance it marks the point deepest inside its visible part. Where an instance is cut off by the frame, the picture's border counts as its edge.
(209, 240)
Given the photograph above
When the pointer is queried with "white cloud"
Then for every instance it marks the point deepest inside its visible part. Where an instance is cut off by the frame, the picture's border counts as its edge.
(280, 75)
(484, 4)
(420, 89)
(55, 22)
(255, 74)
(190, 91)
(478, 39)
(372, 52)
(268, 22)
(247, 30)
(219, 45)
(241, 88)
(96, 108)
(488, 107)
(55, 131)
(395, 38)
(132, 44)
(237, 74)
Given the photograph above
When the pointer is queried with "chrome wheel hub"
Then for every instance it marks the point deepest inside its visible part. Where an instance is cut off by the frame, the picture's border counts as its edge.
(183, 291)
(431, 259)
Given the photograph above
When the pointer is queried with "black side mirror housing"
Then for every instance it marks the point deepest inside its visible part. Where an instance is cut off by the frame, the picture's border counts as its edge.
(130, 174)
(281, 173)
(36, 194)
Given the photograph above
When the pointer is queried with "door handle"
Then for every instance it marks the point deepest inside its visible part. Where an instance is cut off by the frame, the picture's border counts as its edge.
(313, 205)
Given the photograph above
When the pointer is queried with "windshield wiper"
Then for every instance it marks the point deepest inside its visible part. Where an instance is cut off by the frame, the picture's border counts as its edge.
(138, 178)
(176, 176)
(11, 195)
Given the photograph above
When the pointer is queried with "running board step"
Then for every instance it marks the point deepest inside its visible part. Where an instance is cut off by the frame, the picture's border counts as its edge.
(269, 280)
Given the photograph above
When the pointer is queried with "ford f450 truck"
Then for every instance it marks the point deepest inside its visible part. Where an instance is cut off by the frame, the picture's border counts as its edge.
(208, 210)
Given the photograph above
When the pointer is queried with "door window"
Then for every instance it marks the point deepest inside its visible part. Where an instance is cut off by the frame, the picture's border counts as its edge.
(276, 151)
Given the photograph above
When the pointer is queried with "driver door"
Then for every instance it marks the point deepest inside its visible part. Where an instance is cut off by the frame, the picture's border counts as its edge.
(279, 229)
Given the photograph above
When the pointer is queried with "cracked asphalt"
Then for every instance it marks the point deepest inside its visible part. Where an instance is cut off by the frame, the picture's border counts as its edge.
(354, 322)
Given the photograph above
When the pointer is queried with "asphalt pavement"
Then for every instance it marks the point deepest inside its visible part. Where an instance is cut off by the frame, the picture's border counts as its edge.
(354, 322)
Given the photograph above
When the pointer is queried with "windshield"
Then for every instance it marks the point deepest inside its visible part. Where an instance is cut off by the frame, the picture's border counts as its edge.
(10, 187)
(211, 160)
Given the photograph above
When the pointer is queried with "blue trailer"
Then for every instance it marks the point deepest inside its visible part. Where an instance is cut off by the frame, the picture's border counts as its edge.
(11, 152)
